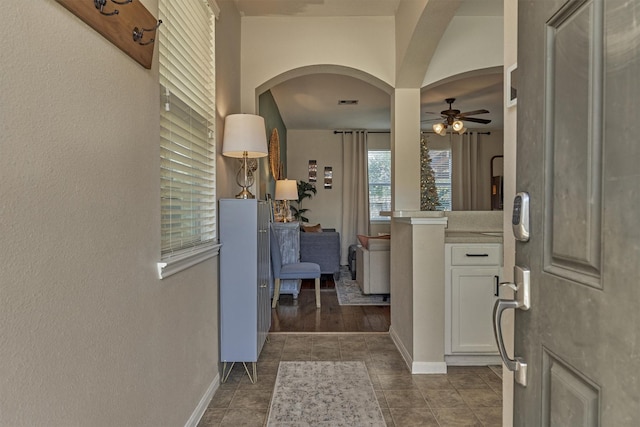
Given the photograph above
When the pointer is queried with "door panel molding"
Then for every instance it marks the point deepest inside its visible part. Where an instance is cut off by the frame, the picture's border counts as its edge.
(573, 143)
(569, 398)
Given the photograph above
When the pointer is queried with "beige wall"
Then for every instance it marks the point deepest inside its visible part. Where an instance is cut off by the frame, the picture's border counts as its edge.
(469, 43)
(325, 147)
(227, 92)
(510, 138)
(269, 49)
(88, 333)
(325, 207)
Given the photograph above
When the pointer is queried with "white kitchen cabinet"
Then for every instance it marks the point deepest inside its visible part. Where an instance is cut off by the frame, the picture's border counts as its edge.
(245, 265)
(472, 276)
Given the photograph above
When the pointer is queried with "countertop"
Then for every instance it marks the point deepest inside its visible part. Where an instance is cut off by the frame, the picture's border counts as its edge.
(472, 237)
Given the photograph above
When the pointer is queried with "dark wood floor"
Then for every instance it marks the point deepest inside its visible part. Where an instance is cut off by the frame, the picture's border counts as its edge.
(301, 315)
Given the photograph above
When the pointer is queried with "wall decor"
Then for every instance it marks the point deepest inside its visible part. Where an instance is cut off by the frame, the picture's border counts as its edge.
(512, 84)
(328, 177)
(274, 155)
(124, 23)
(313, 171)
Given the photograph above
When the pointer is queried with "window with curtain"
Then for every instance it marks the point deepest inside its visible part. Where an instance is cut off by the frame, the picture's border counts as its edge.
(441, 165)
(187, 133)
(379, 175)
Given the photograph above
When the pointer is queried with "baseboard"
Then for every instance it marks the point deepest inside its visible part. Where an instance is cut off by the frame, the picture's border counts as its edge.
(197, 414)
(401, 348)
(429, 368)
(416, 367)
(472, 360)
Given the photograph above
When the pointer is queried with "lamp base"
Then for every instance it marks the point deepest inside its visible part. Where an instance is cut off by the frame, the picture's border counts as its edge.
(245, 194)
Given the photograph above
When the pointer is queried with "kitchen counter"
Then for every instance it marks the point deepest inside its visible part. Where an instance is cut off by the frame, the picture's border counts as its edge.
(472, 237)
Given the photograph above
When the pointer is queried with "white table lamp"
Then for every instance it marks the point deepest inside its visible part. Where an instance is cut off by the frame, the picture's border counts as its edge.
(244, 137)
(286, 189)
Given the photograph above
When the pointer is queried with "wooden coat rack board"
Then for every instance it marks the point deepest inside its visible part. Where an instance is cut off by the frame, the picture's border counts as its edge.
(125, 23)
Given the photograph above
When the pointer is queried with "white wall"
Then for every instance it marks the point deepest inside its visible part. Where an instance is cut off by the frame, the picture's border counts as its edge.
(88, 334)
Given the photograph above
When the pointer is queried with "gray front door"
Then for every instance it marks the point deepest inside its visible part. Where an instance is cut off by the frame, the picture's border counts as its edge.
(579, 160)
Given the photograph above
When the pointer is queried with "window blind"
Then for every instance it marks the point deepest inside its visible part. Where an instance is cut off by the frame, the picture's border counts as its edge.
(441, 165)
(187, 126)
(379, 176)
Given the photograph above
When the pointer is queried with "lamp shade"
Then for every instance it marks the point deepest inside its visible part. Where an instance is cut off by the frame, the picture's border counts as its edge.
(286, 189)
(440, 129)
(457, 125)
(244, 133)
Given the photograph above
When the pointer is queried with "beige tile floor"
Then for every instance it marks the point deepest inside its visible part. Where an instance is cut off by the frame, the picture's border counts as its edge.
(465, 396)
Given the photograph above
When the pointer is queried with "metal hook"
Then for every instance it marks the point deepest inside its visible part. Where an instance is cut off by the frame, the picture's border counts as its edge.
(100, 6)
(138, 33)
(121, 2)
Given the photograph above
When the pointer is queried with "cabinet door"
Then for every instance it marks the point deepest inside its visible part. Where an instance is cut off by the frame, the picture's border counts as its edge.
(473, 294)
(264, 271)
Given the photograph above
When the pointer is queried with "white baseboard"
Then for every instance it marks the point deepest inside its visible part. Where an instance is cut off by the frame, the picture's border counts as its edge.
(416, 367)
(204, 402)
(429, 368)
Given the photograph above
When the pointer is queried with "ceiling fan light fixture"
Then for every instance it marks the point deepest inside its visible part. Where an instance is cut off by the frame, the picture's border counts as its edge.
(440, 129)
(458, 126)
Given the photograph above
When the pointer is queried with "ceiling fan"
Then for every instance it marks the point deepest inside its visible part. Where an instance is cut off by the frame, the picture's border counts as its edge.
(454, 119)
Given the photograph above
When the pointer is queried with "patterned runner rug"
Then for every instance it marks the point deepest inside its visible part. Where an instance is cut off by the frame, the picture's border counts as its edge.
(349, 292)
(324, 394)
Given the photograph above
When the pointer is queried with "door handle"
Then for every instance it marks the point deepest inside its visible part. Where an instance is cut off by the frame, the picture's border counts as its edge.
(522, 301)
(517, 365)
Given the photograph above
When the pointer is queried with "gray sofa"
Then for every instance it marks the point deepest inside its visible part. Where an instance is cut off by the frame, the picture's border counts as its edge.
(322, 248)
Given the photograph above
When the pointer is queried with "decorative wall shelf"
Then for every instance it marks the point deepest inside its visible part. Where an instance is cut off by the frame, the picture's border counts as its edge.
(125, 23)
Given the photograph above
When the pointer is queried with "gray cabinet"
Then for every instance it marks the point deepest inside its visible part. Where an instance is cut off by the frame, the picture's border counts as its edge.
(245, 309)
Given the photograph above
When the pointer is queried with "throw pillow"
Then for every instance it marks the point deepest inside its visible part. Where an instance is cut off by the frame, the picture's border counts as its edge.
(312, 228)
(364, 240)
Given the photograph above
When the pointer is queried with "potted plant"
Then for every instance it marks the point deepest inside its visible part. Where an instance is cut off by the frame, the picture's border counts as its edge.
(305, 190)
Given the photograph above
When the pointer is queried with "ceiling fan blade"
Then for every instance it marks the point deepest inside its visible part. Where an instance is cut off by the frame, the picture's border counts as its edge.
(430, 120)
(473, 113)
(473, 119)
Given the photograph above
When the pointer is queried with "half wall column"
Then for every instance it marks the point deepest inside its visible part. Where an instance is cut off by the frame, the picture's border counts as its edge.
(405, 149)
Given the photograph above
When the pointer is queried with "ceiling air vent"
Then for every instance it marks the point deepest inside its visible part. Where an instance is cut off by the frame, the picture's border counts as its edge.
(348, 102)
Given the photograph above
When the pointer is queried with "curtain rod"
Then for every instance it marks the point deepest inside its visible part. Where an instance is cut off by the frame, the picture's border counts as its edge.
(386, 131)
(479, 133)
(368, 131)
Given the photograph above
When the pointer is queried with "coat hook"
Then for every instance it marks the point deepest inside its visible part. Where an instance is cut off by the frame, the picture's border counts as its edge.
(100, 6)
(121, 2)
(138, 33)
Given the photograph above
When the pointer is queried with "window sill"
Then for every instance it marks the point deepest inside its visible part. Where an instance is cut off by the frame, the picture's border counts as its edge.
(181, 262)
(387, 220)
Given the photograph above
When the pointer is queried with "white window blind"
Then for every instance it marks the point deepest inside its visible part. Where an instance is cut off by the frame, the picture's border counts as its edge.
(187, 133)
(379, 175)
(441, 165)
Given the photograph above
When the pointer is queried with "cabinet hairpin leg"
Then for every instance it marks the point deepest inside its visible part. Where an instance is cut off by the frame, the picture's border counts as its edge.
(252, 374)
(225, 373)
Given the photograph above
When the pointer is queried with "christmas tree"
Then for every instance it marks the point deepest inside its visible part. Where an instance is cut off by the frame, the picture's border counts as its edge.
(428, 192)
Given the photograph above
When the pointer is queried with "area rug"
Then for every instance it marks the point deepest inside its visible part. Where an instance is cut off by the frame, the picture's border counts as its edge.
(324, 394)
(349, 292)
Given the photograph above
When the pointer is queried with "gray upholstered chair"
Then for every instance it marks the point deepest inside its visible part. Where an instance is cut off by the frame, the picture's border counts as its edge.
(294, 270)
